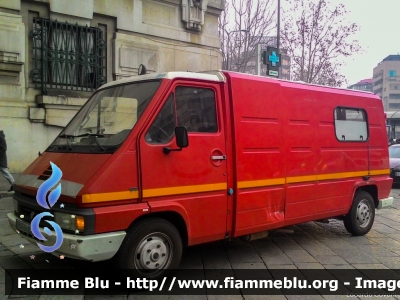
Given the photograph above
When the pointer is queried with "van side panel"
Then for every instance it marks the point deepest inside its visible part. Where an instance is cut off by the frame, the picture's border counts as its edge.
(342, 163)
(378, 154)
(302, 152)
(260, 170)
(291, 167)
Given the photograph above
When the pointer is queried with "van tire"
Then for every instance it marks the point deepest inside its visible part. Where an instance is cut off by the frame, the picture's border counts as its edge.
(361, 216)
(151, 247)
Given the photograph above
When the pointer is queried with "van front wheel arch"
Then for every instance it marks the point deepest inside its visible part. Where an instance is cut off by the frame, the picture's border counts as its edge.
(151, 247)
(361, 216)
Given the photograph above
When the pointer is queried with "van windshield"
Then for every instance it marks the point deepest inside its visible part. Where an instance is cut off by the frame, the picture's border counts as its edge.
(106, 119)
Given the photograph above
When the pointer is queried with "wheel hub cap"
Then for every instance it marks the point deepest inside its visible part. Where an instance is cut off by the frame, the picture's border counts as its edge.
(363, 213)
(152, 253)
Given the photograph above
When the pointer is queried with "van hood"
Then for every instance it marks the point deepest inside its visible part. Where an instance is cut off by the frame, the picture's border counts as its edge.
(74, 173)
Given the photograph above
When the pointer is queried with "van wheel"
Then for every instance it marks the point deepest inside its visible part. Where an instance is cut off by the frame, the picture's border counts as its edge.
(361, 216)
(151, 247)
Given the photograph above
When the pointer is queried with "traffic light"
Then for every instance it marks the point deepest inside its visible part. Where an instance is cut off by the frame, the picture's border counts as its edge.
(264, 56)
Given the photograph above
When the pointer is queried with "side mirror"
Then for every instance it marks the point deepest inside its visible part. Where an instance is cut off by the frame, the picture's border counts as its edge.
(181, 136)
(182, 140)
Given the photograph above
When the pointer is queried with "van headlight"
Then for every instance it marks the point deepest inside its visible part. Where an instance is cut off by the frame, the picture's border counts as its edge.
(69, 222)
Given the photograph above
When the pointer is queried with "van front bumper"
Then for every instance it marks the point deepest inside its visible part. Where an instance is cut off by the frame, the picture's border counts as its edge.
(94, 247)
(385, 203)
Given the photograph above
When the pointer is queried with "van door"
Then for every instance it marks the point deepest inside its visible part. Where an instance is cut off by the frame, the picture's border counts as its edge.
(191, 182)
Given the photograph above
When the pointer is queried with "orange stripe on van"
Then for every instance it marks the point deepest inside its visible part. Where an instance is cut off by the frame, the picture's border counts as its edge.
(296, 179)
(309, 178)
(258, 183)
(176, 190)
(341, 175)
(380, 172)
(115, 196)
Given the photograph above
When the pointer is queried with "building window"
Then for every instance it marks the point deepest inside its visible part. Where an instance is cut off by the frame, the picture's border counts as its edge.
(394, 105)
(392, 73)
(351, 124)
(67, 56)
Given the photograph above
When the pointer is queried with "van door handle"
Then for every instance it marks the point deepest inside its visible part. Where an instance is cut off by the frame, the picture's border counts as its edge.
(218, 157)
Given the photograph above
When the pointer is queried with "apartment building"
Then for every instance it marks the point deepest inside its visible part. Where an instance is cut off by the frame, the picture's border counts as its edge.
(362, 85)
(386, 82)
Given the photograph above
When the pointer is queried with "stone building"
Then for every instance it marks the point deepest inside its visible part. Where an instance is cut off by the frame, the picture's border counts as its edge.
(55, 53)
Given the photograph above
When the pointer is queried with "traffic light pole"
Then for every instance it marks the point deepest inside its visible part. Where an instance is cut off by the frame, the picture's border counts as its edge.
(278, 32)
(278, 27)
(258, 60)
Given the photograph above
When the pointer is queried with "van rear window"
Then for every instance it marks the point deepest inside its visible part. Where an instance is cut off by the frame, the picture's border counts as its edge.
(351, 124)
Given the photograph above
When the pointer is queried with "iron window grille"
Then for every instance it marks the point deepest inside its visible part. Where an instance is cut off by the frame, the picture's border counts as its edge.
(67, 56)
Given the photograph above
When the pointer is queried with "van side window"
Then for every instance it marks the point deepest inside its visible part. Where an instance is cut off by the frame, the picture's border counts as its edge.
(351, 124)
(196, 109)
(163, 128)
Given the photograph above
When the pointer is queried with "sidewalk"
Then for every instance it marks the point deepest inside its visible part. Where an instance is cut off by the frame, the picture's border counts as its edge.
(5, 186)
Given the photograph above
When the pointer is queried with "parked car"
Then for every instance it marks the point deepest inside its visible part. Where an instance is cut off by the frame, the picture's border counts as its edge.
(394, 157)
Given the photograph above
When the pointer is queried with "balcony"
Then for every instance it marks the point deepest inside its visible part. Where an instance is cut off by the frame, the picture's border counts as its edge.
(392, 78)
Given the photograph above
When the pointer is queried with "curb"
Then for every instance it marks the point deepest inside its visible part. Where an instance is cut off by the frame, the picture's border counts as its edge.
(4, 194)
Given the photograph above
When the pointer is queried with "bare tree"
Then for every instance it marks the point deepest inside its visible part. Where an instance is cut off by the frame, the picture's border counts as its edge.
(317, 38)
(242, 25)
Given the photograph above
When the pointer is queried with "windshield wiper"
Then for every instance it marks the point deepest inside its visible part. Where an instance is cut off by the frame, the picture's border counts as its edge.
(67, 137)
(64, 135)
(89, 134)
(95, 135)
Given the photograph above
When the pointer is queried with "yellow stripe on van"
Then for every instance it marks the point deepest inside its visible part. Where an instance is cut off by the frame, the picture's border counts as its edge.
(258, 183)
(309, 178)
(380, 172)
(341, 175)
(296, 179)
(115, 196)
(188, 189)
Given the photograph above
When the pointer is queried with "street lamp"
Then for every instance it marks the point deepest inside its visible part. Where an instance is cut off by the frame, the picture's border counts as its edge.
(229, 45)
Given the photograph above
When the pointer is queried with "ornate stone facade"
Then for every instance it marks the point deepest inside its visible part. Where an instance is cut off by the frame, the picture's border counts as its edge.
(36, 98)
(193, 13)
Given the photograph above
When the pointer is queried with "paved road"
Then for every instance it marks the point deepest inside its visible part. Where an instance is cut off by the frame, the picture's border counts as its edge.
(309, 245)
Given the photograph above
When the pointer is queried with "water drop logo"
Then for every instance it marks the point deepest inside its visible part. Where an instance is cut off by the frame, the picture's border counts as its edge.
(41, 200)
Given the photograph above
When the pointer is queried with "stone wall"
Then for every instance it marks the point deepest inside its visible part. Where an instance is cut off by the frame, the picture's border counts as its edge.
(163, 35)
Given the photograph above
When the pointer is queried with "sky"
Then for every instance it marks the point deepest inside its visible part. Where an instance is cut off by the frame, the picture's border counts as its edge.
(379, 34)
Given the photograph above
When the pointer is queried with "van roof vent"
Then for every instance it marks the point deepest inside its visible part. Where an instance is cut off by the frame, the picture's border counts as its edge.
(46, 174)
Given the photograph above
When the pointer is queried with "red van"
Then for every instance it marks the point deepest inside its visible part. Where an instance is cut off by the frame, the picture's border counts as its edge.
(153, 163)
